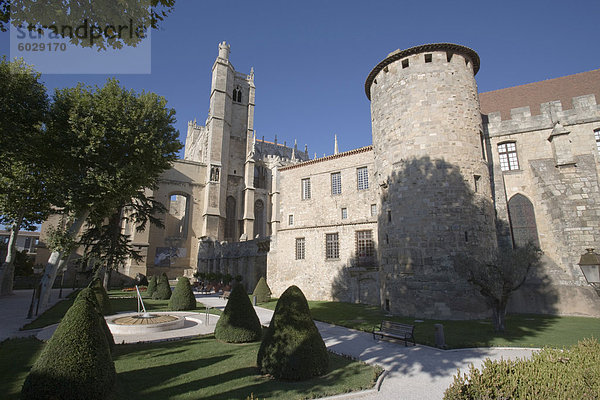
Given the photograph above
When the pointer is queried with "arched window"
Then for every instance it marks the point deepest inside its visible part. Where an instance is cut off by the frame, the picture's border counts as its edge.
(522, 221)
(260, 177)
(230, 219)
(259, 218)
(237, 95)
(177, 219)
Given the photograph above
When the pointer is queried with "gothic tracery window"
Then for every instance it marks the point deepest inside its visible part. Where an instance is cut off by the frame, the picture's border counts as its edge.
(522, 221)
(237, 95)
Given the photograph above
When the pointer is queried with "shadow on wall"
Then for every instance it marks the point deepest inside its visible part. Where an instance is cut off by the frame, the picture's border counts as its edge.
(431, 211)
(358, 280)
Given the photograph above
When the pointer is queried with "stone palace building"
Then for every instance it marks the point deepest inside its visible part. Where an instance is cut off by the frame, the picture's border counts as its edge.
(450, 171)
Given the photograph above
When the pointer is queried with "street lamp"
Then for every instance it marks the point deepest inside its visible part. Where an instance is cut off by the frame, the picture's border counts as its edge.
(590, 266)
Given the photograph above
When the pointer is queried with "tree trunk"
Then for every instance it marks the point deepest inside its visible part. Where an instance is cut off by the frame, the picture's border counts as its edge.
(7, 270)
(107, 274)
(57, 261)
(499, 314)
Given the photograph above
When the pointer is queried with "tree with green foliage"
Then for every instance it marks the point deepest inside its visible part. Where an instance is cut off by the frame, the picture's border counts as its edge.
(152, 286)
(183, 296)
(76, 363)
(25, 192)
(262, 291)
(550, 374)
(101, 296)
(110, 145)
(239, 322)
(500, 277)
(292, 347)
(88, 294)
(163, 289)
(100, 15)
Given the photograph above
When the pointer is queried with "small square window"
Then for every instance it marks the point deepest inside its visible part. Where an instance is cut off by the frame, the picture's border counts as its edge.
(291, 219)
(300, 248)
(344, 213)
(428, 58)
(405, 63)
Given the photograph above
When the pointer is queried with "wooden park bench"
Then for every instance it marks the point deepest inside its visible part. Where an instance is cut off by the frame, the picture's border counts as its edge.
(395, 330)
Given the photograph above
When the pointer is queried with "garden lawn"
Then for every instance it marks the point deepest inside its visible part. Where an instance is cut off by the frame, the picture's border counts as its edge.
(522, 330)
(201, 368)
(118, 302)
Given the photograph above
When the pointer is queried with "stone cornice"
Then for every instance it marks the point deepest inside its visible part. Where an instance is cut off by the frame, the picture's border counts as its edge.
(398, 54)
(332, 157)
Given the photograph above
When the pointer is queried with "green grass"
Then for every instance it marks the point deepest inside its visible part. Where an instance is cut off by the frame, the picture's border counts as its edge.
(522, 330)
(119, 304)
(201, 368)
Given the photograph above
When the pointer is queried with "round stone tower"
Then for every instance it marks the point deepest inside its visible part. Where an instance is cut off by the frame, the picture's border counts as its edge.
(431, 168)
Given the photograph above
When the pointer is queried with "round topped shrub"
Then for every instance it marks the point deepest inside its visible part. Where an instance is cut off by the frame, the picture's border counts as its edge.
(292, 347)
(163, 290)
(183, 297)
(151, 286)
(101, 296)
(262, 291)
(239, 322)
(89, 295)
(75, 363)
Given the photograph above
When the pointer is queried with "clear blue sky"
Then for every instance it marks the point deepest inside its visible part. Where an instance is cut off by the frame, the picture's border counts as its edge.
(311, 58)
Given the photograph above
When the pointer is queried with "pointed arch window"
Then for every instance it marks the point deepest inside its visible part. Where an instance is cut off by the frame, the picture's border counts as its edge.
(522, 221)
(237, 95)
(230, 219)
(259, 218)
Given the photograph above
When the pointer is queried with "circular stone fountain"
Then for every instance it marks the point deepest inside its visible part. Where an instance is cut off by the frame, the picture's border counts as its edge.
(140, 323)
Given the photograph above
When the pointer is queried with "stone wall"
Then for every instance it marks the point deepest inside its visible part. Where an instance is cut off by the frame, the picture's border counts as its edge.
(431, 166)
(248, 259)
(347, 277)
(558, 172)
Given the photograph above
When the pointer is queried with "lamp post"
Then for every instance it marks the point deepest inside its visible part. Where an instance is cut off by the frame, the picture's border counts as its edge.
(590, 266)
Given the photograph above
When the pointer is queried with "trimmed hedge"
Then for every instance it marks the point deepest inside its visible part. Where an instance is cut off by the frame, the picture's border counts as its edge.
(152, 286)
(89, 295)
(183, 297)
(572, 373)
(75, 363)
(239, 322)
(262, 291)
(101, 296)
(292, 347)
(163, 290)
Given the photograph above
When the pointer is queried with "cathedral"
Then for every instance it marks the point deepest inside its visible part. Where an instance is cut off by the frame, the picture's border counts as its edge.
(451, 171)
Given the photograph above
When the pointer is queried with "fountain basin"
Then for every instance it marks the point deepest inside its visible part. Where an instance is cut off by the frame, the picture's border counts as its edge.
(140, 324)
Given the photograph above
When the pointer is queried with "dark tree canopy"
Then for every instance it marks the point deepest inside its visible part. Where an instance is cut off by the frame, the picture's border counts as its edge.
(110, 24)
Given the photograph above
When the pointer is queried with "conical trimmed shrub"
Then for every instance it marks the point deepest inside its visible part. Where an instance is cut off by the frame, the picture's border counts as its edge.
(292, 347)
(183, 297)
(239, 322)
(101, 296)
(152, 286)
(89, 295)
(163, 290)
(76, 363)
(262, 291)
